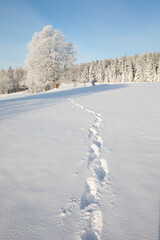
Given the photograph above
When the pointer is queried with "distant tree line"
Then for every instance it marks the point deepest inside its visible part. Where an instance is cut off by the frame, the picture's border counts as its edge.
(138, 68)
(12, 80)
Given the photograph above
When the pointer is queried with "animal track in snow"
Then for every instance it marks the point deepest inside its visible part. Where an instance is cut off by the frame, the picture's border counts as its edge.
(69, 207)
(79, 167)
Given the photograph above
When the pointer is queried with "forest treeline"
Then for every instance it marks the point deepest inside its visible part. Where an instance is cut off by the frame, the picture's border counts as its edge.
(138, 68)
(13, 80)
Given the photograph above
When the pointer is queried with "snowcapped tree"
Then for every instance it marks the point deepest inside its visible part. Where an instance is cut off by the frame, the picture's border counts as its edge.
(12, 80)
(19, 76)
(92, 71)
(5, 83)
(48, 58)
(85, 74)
(100, 72)
(68, 58)
(139, 69)
(158, 72)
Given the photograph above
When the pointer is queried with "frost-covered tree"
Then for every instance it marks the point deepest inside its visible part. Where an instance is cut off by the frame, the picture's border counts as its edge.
(4, 82)
(12, 80)
(48, 58)
(19, 76)
(85, 74)
(158, 72)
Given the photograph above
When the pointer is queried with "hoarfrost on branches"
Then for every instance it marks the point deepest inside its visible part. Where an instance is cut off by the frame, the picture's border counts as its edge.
(48, 59)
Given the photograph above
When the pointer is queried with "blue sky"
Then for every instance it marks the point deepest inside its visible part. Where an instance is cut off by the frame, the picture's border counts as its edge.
(99, 28)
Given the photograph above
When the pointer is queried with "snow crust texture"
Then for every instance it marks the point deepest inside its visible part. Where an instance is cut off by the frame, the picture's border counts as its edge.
(91, 221)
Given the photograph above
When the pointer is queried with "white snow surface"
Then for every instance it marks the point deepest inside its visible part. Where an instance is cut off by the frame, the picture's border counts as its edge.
(81, 163)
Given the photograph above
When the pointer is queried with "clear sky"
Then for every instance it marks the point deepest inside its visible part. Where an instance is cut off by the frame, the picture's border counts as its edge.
(99, 28)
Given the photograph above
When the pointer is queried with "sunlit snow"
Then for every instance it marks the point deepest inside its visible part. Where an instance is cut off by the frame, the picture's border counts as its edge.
(81, 163)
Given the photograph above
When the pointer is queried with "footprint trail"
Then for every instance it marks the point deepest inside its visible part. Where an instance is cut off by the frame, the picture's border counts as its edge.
(91, 220)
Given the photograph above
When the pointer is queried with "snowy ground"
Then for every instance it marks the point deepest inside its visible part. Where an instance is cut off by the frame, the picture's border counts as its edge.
(81, 163)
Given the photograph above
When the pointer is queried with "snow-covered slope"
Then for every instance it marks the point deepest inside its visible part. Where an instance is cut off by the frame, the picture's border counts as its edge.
(81, 163)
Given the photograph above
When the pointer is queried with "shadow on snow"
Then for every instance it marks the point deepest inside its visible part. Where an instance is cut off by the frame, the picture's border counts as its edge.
(12, 107)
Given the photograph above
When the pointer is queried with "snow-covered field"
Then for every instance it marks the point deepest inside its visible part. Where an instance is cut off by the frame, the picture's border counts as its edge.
(81, 163)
